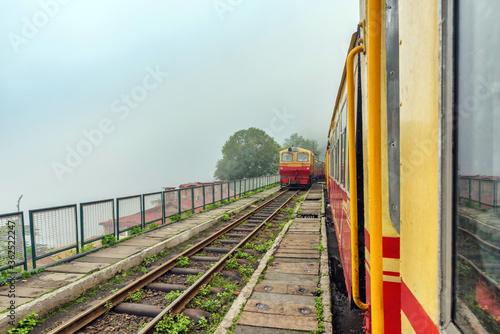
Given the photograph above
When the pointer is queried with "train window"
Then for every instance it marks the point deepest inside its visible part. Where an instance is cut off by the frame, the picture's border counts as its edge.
(337, 161)
(477, 240)
(302, 157)
(342, 159)
(343, 115)
(343, 138)
(331, 162)
(347, 165)
(287, 157)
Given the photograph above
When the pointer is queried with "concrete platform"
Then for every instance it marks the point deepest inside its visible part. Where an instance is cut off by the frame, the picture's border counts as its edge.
(313, 196)
(76, 267)
(25, 291)
(287, 309)
(297, 256)
(241, 329)
(268, 286)
(118, 251)
(5, 302)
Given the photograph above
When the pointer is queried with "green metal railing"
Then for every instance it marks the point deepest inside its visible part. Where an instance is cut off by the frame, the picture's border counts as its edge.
(128, 214)
(481, 192)
(53, 231)
(152, 208)
(60, 232)
(97, 221)
(12, 242)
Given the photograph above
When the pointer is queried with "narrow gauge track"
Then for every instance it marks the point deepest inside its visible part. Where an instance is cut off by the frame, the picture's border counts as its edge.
(257, 219)
(470, 252)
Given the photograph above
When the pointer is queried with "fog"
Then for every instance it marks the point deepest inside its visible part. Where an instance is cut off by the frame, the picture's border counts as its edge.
(107, 99)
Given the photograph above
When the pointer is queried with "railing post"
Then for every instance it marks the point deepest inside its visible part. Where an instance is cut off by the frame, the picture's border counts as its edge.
(204, 198)
(32, 236)
(179, 201)
(143, 212)
(213, 193)
(470, 189)
(25, 264)
(163, 207)
(76, 229)
(479, 181)
(117, 219)
(495, 196)
(221, 192)
(192, 200)
(114, 222)
(82, 222)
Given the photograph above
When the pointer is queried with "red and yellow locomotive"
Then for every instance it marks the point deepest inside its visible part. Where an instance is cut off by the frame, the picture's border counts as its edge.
(299, 168)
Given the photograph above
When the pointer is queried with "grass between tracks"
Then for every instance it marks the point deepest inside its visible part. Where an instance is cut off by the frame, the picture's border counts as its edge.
(218, 306)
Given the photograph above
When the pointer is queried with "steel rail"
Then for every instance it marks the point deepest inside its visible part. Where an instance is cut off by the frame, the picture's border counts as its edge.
(86, 317)
(481, 243)
(485, 276)
(179, 304)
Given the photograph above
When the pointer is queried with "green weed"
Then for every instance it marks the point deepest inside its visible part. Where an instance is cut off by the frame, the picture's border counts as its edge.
(180, 324)
(191, 279)
(108, 241)
(175, 218)
(232, 264)
(26, 325)
(182, 262)
(135, 230)
(172, 295)
(135, 297)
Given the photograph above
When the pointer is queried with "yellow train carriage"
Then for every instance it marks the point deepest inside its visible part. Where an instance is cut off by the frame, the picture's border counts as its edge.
(415, 135)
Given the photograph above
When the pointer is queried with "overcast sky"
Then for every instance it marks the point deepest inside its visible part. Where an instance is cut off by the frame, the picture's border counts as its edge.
(101, 99)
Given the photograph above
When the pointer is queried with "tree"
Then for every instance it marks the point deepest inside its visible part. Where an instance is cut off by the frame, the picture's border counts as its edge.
(248, 153)
(299, 141)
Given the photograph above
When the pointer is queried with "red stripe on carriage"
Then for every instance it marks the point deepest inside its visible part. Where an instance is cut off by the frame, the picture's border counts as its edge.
(390, 246)
(418, 318)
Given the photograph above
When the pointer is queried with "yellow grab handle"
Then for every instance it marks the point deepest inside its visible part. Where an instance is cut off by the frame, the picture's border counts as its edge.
(374, 48)
(352, 177)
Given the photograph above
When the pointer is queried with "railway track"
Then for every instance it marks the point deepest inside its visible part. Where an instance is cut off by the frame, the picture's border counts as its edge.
(480, 255)
(207, 261)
